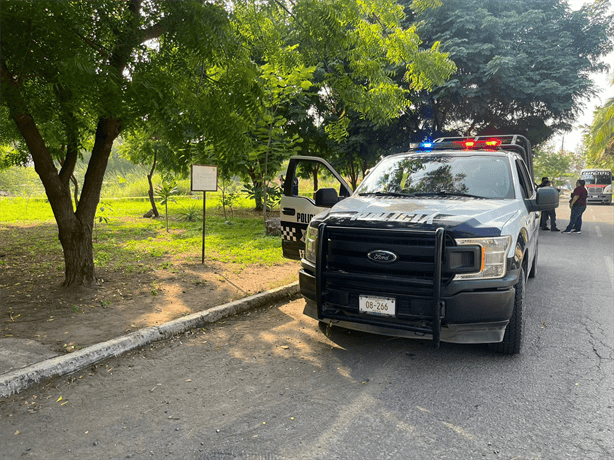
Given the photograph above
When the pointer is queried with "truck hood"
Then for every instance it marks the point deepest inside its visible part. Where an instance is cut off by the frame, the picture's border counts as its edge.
(465, 217)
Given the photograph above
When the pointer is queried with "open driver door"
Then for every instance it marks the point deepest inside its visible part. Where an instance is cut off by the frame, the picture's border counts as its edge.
(299, 206)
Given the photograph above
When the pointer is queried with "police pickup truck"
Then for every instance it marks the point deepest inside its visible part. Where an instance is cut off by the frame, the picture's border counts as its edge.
(435, 243)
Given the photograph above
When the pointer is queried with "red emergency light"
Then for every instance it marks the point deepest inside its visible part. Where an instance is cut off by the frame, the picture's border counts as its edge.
(493, 142)
(470, 144)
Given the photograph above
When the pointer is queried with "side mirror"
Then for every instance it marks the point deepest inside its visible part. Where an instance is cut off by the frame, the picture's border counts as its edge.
(547, 198)
(326, 197)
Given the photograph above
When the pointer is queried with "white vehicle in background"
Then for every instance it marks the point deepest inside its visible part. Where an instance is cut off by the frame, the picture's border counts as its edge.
(598, 184)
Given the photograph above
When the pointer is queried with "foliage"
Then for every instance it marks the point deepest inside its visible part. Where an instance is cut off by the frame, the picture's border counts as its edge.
(191, 213)
(166, 191)
(229, 190)
(203, 78)
(556, 165)
(323, 64)
(74, 71)
(521, 66)
(102, 217)
(599, 138)
(273, 194)
(102, 214)
(355, 47)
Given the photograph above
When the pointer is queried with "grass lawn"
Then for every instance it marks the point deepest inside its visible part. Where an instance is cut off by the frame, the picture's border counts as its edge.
(125, 241)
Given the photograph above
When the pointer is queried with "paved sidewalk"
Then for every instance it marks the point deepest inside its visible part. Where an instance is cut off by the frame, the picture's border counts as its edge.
(16, 353)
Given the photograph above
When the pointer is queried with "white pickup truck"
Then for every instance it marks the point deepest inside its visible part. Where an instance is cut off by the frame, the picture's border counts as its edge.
(437, 242)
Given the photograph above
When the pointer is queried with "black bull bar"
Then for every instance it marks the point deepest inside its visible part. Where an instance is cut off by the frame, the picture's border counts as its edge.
(324, 274)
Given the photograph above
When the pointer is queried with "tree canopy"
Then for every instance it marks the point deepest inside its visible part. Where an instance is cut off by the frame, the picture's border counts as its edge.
(203, 76)
(522, 65)
(76, 70)
(552, 163)
(599, 138)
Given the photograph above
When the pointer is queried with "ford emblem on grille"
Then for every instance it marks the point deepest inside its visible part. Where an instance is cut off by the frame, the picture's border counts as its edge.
(384, 257)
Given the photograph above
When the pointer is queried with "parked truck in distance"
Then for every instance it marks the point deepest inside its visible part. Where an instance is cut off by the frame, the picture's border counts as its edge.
(598, 184)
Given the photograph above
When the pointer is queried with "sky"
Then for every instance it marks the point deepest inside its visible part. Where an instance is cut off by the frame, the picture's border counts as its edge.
(571, 140)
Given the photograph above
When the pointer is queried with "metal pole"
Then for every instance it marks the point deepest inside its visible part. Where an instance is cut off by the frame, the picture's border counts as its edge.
(204, 221)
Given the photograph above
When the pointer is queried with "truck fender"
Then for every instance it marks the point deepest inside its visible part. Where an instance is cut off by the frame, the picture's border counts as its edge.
(519, 252)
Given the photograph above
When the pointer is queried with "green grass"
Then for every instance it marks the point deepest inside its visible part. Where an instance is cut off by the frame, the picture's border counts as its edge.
(123, 240)
(13, 209)
(27, 209)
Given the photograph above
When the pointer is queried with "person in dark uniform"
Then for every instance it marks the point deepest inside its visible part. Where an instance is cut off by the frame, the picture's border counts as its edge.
(551, 213)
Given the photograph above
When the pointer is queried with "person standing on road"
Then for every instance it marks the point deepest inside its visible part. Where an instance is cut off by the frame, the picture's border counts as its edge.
(577, 204)
(543, 223)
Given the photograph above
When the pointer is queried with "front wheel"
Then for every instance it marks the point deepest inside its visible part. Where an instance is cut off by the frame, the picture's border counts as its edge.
(512, 340)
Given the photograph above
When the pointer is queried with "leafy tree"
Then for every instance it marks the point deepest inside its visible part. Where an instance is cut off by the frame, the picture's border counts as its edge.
(71, 71)
(270, 143)
(522, 65)
(193, 72)
(548, 162)
(599, 138)
(166, 191)
(353, 50)
(142, 147)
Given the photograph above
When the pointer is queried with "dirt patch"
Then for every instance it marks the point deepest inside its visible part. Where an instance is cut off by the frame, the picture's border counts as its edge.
(34, 306)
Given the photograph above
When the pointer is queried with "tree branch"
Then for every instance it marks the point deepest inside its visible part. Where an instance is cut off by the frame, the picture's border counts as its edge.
(154, 31)
(68, 163)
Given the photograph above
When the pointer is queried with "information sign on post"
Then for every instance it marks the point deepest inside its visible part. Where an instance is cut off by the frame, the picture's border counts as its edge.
(204, 179)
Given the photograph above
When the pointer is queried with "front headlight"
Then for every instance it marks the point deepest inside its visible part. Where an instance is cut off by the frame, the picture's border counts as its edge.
(311, 244)
(494, 257)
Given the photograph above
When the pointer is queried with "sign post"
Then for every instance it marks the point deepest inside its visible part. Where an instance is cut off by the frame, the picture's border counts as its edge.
(204, 179)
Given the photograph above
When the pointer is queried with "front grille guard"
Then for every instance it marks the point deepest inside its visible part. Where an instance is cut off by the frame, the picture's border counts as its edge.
(435, 329)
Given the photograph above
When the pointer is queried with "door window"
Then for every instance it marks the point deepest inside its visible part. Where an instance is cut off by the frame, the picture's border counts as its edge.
(311, 185)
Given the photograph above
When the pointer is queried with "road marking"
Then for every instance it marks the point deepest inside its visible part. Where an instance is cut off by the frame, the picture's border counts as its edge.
(344, 420)
(460, 431)
(598, 230)
(610, 265)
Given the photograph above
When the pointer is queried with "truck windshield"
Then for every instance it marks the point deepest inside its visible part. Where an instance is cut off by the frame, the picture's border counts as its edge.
(440, 175)
(597, 177)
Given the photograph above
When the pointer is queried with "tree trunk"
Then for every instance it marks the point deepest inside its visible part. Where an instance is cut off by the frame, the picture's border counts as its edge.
(76, 239)
(251, 172)
(75, 227)
(363, 168)
(353, 172)
(316, 169)
(224, 198)
(76, 231)
(265, 181)
(258, 196)
(152, 200)
(74, 181)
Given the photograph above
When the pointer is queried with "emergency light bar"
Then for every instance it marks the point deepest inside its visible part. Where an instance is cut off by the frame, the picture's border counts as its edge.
(514, 142)
(465, 144)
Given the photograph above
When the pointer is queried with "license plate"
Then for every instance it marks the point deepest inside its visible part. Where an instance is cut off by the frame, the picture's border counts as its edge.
(377, 305)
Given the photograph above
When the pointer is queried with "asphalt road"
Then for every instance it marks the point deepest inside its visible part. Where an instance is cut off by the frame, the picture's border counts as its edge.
(271, 385)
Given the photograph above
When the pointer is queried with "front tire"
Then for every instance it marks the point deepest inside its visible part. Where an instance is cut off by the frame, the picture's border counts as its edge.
(512, 340)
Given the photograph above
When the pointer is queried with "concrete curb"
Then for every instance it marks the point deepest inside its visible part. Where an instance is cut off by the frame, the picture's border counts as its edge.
(15, 381)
